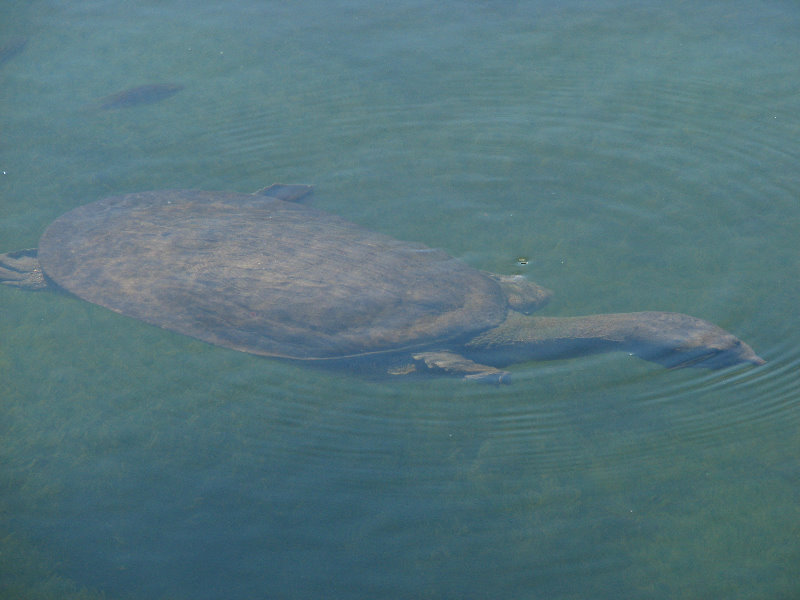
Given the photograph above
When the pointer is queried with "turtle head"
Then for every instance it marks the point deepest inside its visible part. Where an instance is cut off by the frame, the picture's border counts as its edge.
(676, 340)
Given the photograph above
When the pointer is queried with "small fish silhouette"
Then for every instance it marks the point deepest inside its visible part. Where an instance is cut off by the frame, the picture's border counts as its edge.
(11, 48)
(144, 94)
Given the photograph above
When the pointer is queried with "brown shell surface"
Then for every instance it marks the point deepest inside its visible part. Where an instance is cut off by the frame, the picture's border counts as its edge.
(264, 276)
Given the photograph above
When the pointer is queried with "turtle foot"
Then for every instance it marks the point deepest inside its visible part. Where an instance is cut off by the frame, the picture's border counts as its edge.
(450, 362)
(523, 296)
(288, 192)
(21, 269)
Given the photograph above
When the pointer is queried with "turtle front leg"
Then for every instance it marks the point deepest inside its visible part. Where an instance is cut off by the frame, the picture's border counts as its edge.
(450, 362)
(523, 296)
(21, 269)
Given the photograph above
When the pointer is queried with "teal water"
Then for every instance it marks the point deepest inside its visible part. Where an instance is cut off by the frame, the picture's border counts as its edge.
(642, 157)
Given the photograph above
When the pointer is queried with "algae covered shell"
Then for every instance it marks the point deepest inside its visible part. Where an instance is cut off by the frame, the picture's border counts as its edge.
(262, 275)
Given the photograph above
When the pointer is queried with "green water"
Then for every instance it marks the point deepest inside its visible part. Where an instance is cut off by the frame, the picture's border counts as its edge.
(643, 157)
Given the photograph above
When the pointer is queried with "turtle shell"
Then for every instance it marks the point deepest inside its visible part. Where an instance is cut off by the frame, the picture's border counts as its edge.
(265, 276)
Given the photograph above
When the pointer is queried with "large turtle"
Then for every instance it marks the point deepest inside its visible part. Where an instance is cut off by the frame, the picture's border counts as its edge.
(264, 274)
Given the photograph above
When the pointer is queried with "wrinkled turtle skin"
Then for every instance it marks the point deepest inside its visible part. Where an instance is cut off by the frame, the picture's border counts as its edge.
(263, 274)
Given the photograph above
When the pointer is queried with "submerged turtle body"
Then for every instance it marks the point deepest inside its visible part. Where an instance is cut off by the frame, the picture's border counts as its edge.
(263, 274)
(266, 276)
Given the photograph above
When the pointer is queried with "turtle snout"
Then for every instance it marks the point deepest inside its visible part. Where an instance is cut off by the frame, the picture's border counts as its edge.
(676, 340)
(739, 352)
(725, 351)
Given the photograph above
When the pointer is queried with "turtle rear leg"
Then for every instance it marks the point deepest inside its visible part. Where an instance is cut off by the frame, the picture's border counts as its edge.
(22, 269)
(456, 364)
(288, 192)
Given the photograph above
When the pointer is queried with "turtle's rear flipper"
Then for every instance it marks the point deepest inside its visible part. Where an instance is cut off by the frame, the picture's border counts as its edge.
(458, 365)
(21, 269)
(288, 192)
